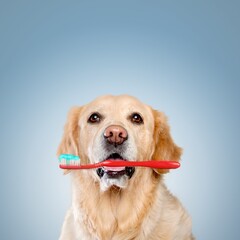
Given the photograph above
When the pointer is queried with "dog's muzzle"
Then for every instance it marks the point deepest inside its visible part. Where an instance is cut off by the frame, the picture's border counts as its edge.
(115, 138)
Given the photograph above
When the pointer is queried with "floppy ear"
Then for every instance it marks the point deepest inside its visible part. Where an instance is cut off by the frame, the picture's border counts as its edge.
(70, 140)
(165, 148)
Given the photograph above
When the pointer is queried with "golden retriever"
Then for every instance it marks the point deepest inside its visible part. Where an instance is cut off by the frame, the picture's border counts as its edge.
(121, 203)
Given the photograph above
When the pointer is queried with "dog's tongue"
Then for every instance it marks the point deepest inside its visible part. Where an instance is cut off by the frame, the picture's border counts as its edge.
(115, 169)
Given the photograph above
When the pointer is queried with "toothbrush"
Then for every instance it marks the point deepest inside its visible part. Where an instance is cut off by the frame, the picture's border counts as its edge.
(69, 161)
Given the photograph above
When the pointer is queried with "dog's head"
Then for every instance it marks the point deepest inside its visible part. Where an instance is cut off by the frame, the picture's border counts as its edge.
(117, 127)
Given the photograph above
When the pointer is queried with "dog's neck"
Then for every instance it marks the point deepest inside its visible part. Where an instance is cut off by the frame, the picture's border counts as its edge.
(110, 210)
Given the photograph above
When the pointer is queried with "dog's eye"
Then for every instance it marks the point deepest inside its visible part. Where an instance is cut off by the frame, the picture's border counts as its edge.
(94, 118)
(136, 118)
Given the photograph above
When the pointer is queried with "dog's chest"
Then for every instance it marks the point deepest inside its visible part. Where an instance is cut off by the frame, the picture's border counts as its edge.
(111, 217)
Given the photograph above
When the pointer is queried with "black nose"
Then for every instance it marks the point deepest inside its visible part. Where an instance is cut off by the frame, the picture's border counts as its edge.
(115, 134)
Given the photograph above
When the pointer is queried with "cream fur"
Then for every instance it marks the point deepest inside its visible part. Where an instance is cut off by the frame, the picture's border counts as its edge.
(143, 209)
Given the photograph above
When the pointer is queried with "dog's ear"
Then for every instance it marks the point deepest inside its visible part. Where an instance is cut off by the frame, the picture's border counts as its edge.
(70, 140)
(165, 148)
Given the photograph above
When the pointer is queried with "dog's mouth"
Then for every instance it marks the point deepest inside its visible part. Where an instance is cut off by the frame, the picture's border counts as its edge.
(115, 172)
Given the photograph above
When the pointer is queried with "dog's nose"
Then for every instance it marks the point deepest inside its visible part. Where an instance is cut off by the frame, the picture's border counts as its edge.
(115, 134)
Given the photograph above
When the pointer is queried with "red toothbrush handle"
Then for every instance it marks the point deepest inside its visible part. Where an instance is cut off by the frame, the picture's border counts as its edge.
(120, 163)
(151, 164)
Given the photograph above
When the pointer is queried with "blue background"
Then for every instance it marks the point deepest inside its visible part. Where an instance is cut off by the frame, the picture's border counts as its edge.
(181, 57)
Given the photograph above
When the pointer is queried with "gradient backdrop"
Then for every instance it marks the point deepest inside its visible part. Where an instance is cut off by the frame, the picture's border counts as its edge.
(181, 57)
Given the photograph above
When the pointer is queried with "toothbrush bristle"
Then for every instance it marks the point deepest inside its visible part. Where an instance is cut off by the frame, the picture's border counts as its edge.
(69, 160)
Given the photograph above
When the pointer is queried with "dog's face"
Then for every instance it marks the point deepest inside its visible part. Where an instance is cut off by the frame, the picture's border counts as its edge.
(117, 127)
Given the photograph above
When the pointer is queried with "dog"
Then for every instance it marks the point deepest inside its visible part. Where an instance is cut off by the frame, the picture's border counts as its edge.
(121, 203)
